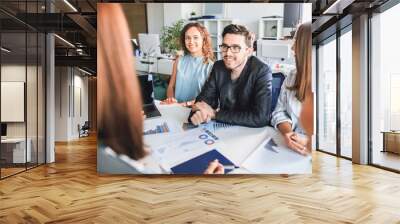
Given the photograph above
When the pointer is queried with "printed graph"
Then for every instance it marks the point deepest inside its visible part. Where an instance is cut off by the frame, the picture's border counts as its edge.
(160, 128)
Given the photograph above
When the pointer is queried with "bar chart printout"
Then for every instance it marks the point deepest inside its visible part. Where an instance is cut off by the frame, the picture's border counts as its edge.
(159, 128)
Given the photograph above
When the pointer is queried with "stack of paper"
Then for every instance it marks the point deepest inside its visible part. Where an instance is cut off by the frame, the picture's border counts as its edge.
(269, 158)
(184, 146)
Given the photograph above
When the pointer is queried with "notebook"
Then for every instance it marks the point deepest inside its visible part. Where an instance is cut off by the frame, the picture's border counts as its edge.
(200, 163)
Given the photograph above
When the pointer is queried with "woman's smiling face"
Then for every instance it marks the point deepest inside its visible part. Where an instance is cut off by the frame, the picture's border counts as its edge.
(194, 41)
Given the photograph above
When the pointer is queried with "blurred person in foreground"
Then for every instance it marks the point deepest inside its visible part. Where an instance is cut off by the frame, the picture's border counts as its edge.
(120, 120)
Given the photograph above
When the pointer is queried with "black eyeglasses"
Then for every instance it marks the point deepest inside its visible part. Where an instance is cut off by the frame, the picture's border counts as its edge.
(234, 48)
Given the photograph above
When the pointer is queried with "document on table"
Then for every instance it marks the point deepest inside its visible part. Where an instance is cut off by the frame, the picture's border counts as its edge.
(184, 146)
(212, 126)
(160, 125)
(269, 158)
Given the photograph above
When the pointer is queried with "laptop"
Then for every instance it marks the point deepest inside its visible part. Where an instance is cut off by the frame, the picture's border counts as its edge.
(146, 85)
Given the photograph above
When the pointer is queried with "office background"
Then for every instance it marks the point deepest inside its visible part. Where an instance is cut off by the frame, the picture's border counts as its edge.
(357, 85)
(26, 45)
(68, 188)
(40, 108)
(152, 18)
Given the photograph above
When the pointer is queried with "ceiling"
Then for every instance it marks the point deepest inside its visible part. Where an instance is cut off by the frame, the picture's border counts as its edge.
(76, 23)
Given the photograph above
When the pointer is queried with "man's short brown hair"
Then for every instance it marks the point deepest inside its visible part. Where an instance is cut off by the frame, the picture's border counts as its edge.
(240, 30)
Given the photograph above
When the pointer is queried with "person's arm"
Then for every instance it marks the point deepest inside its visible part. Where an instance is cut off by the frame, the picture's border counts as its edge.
(293, 140)
(258, 115)
(280, 115)
(172, 81)
(208, 94)
(307, 116)
(283, 122)
(307, 113)
(187, 103)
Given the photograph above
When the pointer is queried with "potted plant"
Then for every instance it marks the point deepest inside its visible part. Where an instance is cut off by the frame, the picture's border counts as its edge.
(170, 37)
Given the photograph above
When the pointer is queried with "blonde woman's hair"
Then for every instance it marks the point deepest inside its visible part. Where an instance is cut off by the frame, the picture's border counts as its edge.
(302, 49)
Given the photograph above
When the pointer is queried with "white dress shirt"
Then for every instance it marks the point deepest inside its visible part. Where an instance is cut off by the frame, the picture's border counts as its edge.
(288, 106)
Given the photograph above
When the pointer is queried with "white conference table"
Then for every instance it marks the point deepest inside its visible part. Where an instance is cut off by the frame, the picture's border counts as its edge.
(18, 147)
(240, 142)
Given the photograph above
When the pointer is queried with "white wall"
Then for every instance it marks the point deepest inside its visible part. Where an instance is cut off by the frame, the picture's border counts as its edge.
(176, 11)
(12, 73)
(172, 13)
(80, 83)
(155, 17)
(307, 13)
(33, 126)
(249, 14)
(68, 83)
(61, 103)
(188, 8)
(165, 14)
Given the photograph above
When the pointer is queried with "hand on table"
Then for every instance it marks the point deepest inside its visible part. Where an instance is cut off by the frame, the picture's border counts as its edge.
(215, 167)
(187, 103)
(204, 113)
(296, 143)
(301, 139)
(169, 100)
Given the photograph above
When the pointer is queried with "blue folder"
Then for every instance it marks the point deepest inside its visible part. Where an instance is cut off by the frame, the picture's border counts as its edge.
(200, 163)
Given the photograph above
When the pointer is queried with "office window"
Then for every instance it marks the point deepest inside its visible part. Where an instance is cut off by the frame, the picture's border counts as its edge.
(346, 93)
(326, 135)
(385, 89)
(22, 92)
(13, 87)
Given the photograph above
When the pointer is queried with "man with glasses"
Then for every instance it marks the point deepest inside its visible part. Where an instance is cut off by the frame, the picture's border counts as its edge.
(239, 88)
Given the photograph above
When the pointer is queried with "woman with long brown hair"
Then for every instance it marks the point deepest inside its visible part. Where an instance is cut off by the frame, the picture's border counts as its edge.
(191, 70)
(294, 90)
(120, 122)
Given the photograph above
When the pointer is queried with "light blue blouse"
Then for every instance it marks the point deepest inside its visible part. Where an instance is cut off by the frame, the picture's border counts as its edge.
(191, 75)
(288, 107)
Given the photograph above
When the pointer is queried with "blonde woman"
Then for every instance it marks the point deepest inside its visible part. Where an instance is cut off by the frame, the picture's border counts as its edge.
(296, 86)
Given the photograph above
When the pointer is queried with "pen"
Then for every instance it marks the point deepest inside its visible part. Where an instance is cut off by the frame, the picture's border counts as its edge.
(230, 167)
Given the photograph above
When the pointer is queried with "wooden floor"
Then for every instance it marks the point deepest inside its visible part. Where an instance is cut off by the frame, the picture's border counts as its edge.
(70, 191)
(387, 159)
(10, 171)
